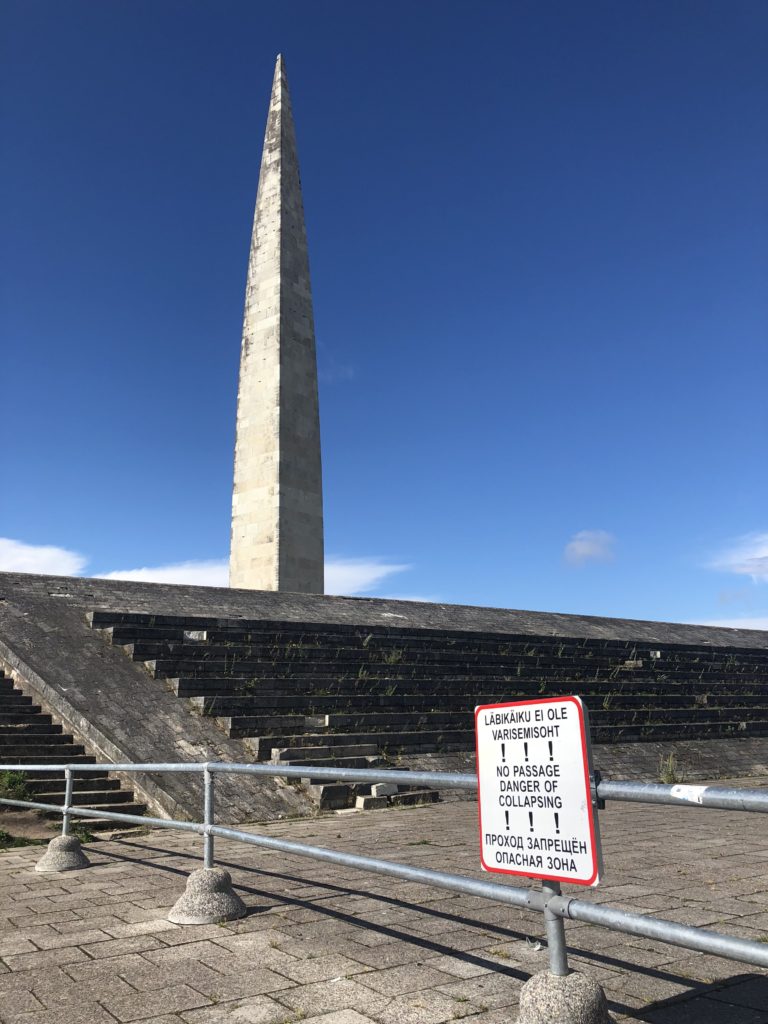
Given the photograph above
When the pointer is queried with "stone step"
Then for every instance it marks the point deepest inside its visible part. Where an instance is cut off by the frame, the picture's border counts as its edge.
(53, 779)
(244, 713)
(448, 688)
(411, 798)
(387, 721)
(415, 796)
(86, 797)
(30, 728)
(101, 824)
(25, 734)
(24, 716)
(34, 750)
(284, 755)
(400, 742)
(269, 669)
(239, 629)
(9, 760)
(265, 724)
(14, 699)
(335, 762)
(54, 783)
(292, 654)
(331, 796)
(678, 730)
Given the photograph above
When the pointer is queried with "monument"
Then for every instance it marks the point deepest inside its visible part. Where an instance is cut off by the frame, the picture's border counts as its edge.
(277, 508)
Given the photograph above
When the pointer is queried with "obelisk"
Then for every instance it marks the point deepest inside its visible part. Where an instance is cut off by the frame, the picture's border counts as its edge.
(277, 504)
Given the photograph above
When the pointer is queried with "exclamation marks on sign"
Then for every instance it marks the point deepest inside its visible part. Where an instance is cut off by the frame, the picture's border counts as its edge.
(530, 819)
(557, 823)
(551, 758)
(506, 815)
(525, 748)
(503, 754)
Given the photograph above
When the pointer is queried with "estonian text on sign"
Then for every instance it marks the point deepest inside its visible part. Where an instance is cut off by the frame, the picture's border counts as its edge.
(534, 794)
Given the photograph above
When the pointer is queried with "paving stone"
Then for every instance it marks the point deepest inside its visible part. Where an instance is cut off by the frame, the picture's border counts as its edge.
(322, 968)
(407, 978)
(402, 953)
(426, 1008)
(86, 1013)
(340, 1017)
(53, 992)
(260, 1010)
(44, 958)
(141, 1005)
(343, 994)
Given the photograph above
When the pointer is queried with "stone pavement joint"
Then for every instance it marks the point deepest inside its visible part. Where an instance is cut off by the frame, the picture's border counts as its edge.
(324, 944)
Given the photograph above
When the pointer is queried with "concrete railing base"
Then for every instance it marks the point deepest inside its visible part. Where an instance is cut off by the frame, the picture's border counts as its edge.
(208, 899)
(573, 999)
(64, 853)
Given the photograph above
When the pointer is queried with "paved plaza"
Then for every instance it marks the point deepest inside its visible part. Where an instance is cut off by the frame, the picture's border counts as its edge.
(329, 945)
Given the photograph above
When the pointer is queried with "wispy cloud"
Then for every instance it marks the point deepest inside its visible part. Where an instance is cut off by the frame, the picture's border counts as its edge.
(590, 546)
(747, 622)
(745, 556)
(343, 576)
(16, 556)
(213, 573)
(349, 576)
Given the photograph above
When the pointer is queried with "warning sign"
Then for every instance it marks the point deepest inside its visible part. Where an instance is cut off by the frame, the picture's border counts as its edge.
(533, 780)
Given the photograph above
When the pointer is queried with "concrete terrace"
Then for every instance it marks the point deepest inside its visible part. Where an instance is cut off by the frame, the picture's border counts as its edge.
(328, 945)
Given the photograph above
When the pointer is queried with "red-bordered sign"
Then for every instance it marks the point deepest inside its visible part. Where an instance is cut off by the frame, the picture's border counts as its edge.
(535, 805)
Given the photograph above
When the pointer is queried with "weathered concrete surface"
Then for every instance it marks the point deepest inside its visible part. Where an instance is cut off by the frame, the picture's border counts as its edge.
(64, 853)
(327, 945)
(18, 590)
(114, 707)
(693, 760)
(208, 899)
(277, 502)
(122, 714)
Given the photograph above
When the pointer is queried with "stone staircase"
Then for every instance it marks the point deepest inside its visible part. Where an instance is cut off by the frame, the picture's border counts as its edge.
(339, 695)
(28, 736)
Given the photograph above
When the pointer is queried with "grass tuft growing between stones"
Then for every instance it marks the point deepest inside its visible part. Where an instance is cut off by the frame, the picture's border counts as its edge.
(13, 786)
(9, 842)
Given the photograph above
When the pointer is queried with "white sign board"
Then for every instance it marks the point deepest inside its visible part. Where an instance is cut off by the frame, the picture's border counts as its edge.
(533, 783)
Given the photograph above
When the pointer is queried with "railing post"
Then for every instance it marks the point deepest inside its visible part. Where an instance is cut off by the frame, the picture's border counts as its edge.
(208, 813)
(558, 954)
(68, 786)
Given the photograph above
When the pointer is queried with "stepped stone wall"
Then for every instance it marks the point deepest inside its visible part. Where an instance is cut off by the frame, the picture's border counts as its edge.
(146, 672)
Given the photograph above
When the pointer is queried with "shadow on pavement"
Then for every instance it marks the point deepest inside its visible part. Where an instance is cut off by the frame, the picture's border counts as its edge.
(742, 999)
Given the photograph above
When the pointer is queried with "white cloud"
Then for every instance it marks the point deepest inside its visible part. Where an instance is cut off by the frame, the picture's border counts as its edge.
(44, 559)
(590, 546)
(347, 576)
(745, 556)
(351, 576)
(214, 573)
(748, 622)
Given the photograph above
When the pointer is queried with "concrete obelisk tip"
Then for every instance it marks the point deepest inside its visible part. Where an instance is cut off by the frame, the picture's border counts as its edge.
(64, 853)
(575, 998)
(277, 492)
(208, 899)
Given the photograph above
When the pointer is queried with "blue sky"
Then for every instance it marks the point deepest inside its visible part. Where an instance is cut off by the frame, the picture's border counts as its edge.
(538, 248)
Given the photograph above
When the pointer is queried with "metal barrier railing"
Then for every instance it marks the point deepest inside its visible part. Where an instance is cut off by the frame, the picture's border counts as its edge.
(555, 907)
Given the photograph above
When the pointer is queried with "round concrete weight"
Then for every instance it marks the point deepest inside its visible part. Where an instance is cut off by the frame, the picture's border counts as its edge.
(208, 899)
(574, 999)
(64, 853)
